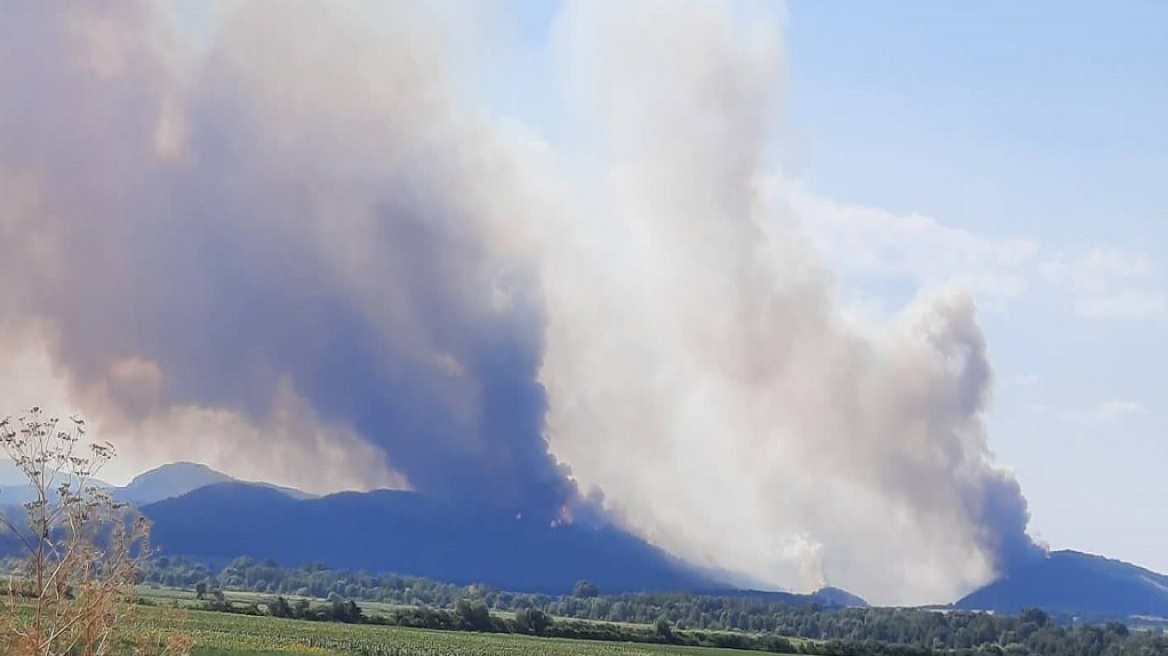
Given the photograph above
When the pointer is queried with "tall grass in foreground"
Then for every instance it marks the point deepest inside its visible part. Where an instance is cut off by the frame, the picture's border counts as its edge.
(73, 592)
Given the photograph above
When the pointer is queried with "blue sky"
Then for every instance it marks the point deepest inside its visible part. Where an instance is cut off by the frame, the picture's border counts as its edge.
(997, 115)
(1039, 123)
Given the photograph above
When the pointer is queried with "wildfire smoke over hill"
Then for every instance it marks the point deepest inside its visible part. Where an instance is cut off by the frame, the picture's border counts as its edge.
(304, 250)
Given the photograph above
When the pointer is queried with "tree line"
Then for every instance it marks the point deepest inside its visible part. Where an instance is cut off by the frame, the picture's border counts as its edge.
(725, 621)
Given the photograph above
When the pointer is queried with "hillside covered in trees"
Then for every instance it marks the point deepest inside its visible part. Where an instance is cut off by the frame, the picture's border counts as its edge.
(1078, 583)
(414, 534)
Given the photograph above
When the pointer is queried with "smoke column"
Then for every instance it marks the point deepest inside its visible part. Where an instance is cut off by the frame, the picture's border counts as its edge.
(303, 232)
(304, 255)
(709, 380)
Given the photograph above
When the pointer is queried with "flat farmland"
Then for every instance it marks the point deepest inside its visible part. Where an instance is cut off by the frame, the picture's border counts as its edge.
(222, 634)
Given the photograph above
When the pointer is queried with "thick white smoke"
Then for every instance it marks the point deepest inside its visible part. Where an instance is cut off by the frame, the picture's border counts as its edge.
(309, 239)
(700, 369)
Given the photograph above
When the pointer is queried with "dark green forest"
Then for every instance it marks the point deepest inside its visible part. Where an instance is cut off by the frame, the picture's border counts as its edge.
(743, 622)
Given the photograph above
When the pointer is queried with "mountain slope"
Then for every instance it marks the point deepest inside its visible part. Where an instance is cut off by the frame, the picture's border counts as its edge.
(406, 533)
(165, 482)
(1078, 583)
(17, 494)
(172, 480)
(832, 596)
(10, 474)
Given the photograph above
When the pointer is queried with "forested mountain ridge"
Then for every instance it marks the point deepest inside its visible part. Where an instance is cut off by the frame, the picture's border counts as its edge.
(1076, 583)
(206, 514)
(403, 532)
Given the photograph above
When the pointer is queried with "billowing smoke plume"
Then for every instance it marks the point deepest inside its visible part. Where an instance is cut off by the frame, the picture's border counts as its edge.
(707, 377)
(304, 224)
(305, 256)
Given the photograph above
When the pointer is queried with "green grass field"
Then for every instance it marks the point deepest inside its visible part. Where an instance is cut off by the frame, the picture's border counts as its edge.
(221, 634)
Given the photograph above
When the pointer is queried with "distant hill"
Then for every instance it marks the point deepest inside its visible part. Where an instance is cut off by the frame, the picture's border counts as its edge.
(177, 479)
(406, 533)
(165, 482)
(10, 474)
(831, 596)
(168, 481)
(826, 597)
(16, 490)
(1076, 583)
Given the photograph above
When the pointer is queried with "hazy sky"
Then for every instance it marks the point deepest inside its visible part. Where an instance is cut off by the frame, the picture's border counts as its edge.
(782, 272)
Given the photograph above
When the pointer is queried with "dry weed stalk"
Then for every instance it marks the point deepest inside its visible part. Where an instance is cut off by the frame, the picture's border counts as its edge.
(81, 549)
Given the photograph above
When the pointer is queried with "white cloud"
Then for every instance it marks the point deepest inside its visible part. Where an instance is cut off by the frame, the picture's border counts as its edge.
(865, 245)
(869, 249)
(1111, 411)
(1130, 304)
(1111, 263)
(1109, 284)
